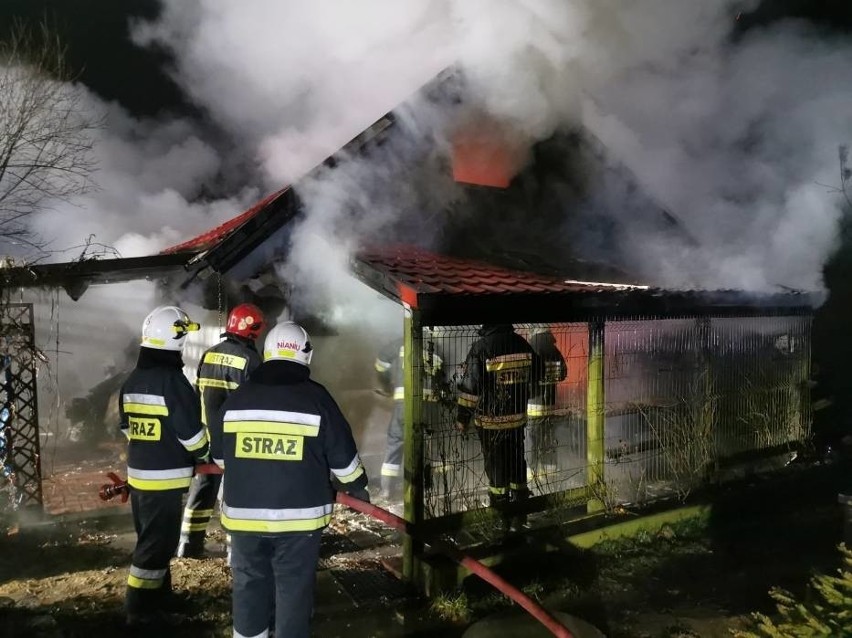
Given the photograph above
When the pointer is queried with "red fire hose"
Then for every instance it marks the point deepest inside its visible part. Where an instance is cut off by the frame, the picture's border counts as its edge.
(471, 564)
(538, 612)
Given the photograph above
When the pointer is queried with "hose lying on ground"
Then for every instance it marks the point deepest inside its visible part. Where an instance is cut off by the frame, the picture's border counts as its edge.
(120, 488)
(471, 564)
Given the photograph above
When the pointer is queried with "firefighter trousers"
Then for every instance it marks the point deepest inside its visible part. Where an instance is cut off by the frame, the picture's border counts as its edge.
(504, 459)
(392, 465)
(542, 443)
(202, 497)
(279, 568)
(156, 517)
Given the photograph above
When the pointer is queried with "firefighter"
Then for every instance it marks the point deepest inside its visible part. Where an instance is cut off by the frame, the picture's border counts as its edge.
(221, 371)
(280, 438)
(161, 418)
(542, 412)
(389, 366)
(494, 390)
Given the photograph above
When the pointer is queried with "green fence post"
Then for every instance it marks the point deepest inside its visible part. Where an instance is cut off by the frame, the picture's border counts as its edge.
(413, 441)
(705, 422)
(806, 405)
(595, 416)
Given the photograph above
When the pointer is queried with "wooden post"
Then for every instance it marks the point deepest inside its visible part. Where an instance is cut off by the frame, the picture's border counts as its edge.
(595, 415)
(413, 441)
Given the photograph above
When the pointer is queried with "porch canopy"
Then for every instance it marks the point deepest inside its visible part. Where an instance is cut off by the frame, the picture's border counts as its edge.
(451, 291)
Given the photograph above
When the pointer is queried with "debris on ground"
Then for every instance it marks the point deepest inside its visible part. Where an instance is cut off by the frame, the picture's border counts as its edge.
(68, 579)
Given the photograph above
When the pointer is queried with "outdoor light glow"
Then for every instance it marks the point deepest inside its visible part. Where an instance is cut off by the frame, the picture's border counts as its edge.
(605, 285)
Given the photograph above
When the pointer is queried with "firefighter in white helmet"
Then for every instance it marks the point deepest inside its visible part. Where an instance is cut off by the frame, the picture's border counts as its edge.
(161, 417)
(285, 447)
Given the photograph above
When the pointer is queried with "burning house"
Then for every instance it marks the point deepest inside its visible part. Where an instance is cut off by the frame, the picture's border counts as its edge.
(665, 391)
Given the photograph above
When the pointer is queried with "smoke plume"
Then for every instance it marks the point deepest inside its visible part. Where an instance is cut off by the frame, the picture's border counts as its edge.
(152, 177)
(730, 132)
(152, 180)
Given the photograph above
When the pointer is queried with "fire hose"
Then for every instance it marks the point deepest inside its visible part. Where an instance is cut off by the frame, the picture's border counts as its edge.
(120, 488)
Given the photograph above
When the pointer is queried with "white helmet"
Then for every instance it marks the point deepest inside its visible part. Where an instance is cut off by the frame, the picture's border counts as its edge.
(166, 328)
(288, 341)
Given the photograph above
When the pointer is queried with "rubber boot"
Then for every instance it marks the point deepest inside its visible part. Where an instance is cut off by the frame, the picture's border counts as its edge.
(192, 548)
(390, 491)
(519, 521)
(499, 503)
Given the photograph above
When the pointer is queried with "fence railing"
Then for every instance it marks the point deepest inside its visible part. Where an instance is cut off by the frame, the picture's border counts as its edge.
(649, 409)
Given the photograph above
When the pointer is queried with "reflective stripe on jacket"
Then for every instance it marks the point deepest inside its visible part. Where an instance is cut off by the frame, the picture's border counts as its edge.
(499, 371)
(223, 368)
(542, 402)
(280, 438)
(161, 417)
(389, 367)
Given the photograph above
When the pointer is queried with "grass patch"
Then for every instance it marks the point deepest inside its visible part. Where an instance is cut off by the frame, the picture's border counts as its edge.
(452, 607)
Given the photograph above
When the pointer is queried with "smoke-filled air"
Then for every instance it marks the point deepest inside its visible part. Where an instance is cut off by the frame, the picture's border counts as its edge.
(734, 133)
(737, 136)
(563, 283)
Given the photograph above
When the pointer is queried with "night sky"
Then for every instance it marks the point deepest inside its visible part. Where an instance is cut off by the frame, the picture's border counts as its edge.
(97, 34)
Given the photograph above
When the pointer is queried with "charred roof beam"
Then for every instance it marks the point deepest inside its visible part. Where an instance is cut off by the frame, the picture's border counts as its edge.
(75, 277)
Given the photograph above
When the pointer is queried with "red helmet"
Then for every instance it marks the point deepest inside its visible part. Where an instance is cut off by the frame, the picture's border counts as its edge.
(245, 320)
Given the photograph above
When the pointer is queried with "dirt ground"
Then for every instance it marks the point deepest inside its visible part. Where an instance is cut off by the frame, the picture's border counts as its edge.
(67, 579)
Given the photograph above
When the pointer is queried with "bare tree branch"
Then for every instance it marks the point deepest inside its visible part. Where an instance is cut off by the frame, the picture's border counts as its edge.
(46, 131)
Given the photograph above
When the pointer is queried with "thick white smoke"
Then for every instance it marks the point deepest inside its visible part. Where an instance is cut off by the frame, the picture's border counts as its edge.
(297, 80)
(732, 135)
(738, 141)
(151, 177)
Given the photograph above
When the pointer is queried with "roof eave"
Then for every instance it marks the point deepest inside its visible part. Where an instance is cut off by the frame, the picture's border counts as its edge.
(442, 308)
(76, 276)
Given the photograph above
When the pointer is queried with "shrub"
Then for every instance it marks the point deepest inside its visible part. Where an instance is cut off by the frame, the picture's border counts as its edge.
(825, 611)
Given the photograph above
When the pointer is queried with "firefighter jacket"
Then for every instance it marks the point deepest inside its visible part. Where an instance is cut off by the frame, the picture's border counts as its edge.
(280, 438)
(389, 366)
(543, 395)
(162, 420)
(499, 371)
(223, 368)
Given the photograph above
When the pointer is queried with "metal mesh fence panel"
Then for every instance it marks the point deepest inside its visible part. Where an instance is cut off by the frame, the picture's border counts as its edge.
(455, 477)
(761, 367)
(681, 397)
(684, 395)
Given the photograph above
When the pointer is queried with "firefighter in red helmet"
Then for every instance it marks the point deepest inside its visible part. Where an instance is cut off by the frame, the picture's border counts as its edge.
(222, 369)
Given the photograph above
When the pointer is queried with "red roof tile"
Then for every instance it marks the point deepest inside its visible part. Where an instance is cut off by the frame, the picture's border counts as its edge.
(416, 271)
(213, 236)
(451, 291)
